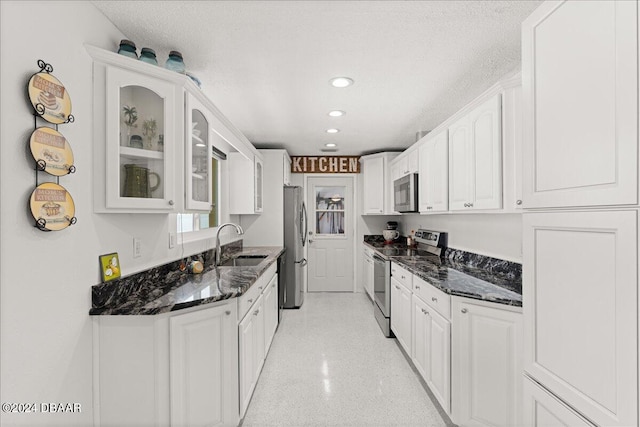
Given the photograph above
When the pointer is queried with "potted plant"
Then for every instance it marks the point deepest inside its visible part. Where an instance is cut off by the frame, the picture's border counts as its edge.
(149, 127)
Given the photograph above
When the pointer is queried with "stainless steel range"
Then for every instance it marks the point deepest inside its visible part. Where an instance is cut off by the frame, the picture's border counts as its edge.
(429, 244)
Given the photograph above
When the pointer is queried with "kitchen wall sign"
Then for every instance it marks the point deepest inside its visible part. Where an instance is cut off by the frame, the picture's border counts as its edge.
(51, 205)
(325, 164)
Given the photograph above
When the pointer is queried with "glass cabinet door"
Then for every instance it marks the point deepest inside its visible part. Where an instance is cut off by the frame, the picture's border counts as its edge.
(141, 140)
(198, 156)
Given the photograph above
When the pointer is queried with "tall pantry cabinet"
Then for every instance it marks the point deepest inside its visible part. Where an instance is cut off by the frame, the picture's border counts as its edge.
(580, 223)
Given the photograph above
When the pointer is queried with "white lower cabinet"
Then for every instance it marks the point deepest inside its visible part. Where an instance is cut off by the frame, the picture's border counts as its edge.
(401, 314)
(486, 364)
(174, 369)
(432, 350)
(542, 409)
(258, 316)
(368, 271)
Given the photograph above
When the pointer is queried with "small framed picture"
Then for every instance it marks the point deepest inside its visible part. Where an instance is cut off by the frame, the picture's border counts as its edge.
(109, 267)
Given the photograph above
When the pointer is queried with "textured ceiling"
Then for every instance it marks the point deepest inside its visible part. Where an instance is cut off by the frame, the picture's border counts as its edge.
(266, 64)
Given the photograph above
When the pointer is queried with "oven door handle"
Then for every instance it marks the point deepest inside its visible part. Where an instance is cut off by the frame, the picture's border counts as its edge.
(377, 258)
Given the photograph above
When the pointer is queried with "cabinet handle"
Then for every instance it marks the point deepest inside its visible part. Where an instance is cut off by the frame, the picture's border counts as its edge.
(170, 202)
(434, 299)
(464, 310)
(470, 205)
(250, 301)
(518, 202)
(255, 313)
(466, 205)
(260, 287)
(423, 311)
(227, 312)
(417, 287)
(380, 211)
(397, 287)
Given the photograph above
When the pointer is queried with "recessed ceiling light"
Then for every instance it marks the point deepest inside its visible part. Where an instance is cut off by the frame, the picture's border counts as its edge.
(333, 130)
(341, 81)
(337, 113)
(331, 144)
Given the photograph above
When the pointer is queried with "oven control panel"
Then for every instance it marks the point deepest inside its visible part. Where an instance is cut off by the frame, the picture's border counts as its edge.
(431, 238)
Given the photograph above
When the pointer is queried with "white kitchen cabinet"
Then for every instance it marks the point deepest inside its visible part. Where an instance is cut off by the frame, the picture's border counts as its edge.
(486, 364)
(580, 92)
(251, 347)
(581, 312)
(286, 168)
(432, 350)
(245, 184)
(198, 145)
(401, 314)
(270, 312)
(475, 158)
(377, 184)
(542, 409)
(202, 366)
(433, 186)
(512, 135)
(406, 163)
(177, 368)
(133, 172)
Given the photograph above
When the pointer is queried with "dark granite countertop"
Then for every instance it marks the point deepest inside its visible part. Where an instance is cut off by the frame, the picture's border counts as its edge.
(163, 289)
(458, 273)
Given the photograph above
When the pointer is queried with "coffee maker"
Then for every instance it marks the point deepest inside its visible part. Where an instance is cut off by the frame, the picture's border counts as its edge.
(390, 233)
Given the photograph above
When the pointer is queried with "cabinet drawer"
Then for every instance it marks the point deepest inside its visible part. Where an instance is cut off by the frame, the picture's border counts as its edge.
(251, 296)
(402, 275)
(433, 296)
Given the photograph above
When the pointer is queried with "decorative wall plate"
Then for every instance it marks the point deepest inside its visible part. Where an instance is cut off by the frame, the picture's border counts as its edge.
(52, 207)
(49, 98)
(51, 150)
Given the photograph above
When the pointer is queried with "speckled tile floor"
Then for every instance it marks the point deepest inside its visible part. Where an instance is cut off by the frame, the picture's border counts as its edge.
(330, 365)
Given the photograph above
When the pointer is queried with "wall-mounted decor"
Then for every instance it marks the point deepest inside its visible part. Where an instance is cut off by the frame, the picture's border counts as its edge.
(50, 203)
(51, 150)
(109, 267)
(325, 164)
(49, 97)
(52, 207)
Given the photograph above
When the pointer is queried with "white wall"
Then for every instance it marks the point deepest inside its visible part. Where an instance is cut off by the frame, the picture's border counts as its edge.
(46, 278)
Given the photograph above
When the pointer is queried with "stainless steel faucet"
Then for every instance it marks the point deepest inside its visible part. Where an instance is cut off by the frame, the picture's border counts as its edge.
(239, 230)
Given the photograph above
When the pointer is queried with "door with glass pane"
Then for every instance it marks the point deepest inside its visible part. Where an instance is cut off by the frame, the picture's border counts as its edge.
(330, 250)
(141, 141)
(198, 156)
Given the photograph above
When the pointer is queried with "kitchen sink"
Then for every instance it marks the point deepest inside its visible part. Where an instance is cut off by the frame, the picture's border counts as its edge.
(244, 261)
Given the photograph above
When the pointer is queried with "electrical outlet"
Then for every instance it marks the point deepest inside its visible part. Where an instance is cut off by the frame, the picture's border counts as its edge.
(172, 240)
(137, 248)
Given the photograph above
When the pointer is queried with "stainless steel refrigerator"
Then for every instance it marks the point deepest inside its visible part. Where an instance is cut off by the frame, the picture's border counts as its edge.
(295, 237)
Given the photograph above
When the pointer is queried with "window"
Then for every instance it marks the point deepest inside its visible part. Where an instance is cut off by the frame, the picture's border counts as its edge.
(330, 210)
(188, 222)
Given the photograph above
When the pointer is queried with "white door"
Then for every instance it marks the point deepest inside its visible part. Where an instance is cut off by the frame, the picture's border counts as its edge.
(331, 234)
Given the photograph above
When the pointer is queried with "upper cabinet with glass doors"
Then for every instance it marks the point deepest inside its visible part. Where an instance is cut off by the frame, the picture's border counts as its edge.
(153, 133)
(198, 166)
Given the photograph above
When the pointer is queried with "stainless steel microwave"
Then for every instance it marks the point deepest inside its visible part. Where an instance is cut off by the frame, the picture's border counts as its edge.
(405, 193)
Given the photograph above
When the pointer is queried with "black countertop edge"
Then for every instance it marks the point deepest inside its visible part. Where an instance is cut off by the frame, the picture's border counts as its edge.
(163, 291)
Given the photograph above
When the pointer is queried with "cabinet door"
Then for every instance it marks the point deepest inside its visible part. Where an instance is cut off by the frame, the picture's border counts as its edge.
(421, 336)
(412, 161)
(439, 367)
(486, 367)
(486, 178)
(460, 164)
(141, 171)
(401, 316)
(434, 174)
(542, 409)
(270, 312)
(286, 169)
(373, 177)
(580, 93)
(198, 166)
(581, 316)
(203, 367)
(241, 184)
